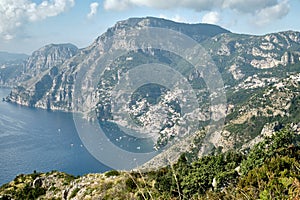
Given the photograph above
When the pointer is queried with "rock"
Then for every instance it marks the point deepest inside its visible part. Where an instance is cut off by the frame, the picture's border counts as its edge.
(238, 170)
(65, 194)
(214, 183)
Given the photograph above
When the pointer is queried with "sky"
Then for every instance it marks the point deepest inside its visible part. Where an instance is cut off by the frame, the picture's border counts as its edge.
(27, 25)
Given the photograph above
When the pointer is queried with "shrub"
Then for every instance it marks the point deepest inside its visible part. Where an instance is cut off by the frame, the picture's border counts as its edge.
(74, 192)
(112, 173)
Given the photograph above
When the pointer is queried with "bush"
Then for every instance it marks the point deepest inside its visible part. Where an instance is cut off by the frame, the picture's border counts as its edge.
(130, 184)
(112, 173)
(273, 180)
(271, 146)
(74, 192)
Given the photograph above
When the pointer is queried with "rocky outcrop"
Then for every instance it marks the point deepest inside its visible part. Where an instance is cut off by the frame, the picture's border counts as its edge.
(61, 58)
(59, 185)
(236, 55)
(61, 77)
(41, 84)
(52, 55)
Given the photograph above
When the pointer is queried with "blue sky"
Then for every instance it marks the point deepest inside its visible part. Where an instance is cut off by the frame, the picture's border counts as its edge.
(26, 25)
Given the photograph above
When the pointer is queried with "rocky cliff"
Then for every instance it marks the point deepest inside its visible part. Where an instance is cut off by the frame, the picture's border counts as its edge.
(238, 57)
(58, 92)
(47, 57)
(61, 77)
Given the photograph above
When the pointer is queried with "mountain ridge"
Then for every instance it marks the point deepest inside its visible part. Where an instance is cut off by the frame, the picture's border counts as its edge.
(248, 65)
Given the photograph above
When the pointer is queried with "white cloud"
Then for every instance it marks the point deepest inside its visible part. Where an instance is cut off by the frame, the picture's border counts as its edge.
(116, 4)
(211, 18)
(94, 9)
(176, 18)
(258, 9)
(198, 5)
(269, 14)
(14, 14)
(8, 37)
(248, 6)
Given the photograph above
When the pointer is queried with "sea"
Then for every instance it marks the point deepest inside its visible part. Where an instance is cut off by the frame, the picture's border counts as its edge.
(34, 139)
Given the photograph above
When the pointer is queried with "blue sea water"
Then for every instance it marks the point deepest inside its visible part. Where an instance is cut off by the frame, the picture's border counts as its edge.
(35, 139)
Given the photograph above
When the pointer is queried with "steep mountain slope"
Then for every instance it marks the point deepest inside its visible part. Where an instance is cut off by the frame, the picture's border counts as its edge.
(263, 113)
(261, 76)
(237, 57)
(49, 56)
(241, 56)
(90, 55)
(250, 66)
(198, 32)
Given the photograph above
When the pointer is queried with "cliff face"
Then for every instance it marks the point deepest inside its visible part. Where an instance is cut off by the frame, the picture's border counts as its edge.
(57, 85)
(47, 57)
(39, 74)
(238, 58)
(61, 77)
(241, 53)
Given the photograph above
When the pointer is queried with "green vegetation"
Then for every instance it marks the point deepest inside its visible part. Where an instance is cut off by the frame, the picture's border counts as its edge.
(74, 192)
(23, 189)
(270, 170)
(112, 173)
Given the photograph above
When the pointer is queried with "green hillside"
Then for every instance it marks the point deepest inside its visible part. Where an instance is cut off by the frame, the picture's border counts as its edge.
(270, 170)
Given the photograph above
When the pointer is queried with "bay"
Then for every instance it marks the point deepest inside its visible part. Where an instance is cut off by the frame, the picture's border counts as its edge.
(35, 139)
